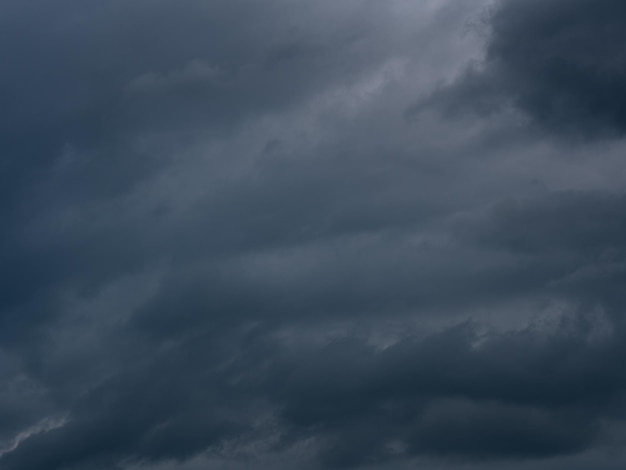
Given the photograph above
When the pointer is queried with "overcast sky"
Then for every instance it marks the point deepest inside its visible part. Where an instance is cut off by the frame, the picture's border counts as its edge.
(312, 234)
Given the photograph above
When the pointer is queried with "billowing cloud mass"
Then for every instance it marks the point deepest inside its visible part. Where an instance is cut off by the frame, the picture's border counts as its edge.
(243, 235)
(562, 62)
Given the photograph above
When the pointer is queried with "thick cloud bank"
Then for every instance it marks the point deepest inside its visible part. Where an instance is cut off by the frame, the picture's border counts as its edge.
(561, 62)
(252, 235)
(564, 61)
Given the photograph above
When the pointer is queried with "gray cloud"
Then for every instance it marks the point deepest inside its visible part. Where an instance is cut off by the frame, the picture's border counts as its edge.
(224, 245)
(559, 62)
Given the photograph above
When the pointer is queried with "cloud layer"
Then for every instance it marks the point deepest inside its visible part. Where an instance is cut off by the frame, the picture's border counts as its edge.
(311, 235)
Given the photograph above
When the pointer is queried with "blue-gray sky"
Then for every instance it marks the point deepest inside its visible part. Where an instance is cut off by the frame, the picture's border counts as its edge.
(356, 234)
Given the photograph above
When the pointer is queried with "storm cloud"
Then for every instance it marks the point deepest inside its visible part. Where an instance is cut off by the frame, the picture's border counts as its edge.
(358, 234)
(559, 62)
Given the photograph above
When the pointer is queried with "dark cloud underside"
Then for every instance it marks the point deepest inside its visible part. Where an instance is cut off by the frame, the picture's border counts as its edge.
(243, 235)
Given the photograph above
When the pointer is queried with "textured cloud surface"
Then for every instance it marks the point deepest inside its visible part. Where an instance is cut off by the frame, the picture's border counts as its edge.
(249, 235)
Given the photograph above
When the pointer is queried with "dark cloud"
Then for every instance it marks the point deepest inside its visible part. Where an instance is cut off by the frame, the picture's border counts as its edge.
(512, 396)
(560, 62)
(223, 244)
